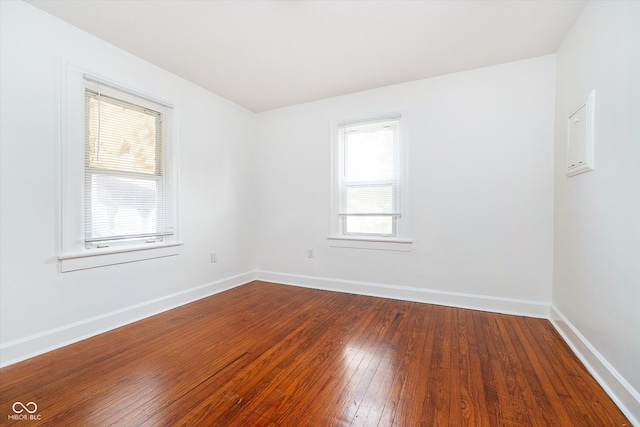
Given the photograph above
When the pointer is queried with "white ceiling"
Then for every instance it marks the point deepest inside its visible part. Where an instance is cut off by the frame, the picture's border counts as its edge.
(269, 54)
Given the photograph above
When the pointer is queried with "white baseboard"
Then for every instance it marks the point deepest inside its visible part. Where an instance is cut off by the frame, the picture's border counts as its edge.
(622, 393)
(34, 345)
(408, 293)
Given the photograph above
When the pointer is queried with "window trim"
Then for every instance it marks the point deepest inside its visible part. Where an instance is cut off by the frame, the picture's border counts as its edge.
(72, 252)
(401, 240)
(112, 256)
(389, 244)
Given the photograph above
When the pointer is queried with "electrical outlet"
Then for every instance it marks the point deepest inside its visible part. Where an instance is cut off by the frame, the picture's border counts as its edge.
(214, 257)
(310, 253)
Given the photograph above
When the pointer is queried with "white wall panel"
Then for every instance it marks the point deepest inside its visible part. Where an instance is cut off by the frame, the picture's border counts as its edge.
(215, 182)
(481, 154)
(596, 284)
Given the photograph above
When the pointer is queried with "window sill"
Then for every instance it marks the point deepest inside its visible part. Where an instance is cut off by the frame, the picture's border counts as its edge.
(401, 245)
(101, 258)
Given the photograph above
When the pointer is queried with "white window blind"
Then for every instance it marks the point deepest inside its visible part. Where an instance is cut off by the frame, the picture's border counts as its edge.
(128, 193)
(369, 178)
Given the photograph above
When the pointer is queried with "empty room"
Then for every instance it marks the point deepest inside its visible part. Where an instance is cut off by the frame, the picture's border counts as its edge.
(319, 213)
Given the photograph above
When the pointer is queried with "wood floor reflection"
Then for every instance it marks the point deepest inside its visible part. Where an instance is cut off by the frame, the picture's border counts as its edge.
(272, 355)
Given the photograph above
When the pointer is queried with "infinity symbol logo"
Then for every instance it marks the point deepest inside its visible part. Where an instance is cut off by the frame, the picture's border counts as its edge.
(22, 407)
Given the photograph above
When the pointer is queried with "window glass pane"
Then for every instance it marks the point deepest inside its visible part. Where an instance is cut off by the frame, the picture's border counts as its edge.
(369, 154)
(122, 206)
(122, 136)
(371, 225)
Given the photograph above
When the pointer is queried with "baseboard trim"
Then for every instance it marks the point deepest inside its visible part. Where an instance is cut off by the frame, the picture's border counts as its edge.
(37, 344)
(622, 393)
(408, 293)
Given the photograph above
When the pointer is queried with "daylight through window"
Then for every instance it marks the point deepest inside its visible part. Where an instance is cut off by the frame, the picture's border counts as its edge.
(369, 177)
(127, 193)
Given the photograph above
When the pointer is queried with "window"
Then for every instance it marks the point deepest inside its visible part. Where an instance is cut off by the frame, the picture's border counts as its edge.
(370, 181)
(118, 175)
(126, 197)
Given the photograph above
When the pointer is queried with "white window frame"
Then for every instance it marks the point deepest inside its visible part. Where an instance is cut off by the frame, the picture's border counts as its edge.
(74, 253)
(401, 240)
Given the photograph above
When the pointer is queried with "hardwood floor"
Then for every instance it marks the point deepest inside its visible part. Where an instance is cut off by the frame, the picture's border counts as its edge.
(274, 355)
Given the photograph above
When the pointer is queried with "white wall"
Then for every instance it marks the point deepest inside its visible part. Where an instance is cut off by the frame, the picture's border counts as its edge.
(42, 308)
(596, 284)
(481, 148)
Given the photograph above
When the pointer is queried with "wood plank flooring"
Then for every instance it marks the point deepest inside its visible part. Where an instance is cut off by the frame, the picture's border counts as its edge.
(273, 355)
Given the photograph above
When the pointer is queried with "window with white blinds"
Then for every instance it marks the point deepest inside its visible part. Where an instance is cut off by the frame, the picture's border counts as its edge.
(369, 177)
(128, 174)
